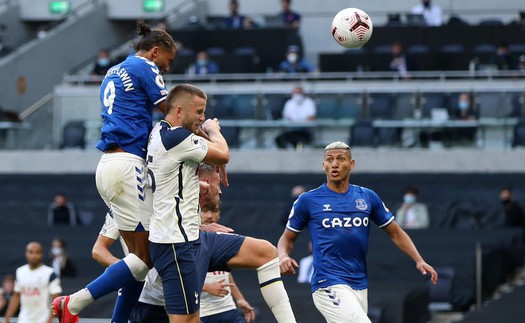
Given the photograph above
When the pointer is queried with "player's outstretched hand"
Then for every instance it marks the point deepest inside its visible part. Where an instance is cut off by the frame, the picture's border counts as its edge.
(247, 309)
(218, 288)
(215, 227)
(425, 268)
(221, 169)
(287, 265)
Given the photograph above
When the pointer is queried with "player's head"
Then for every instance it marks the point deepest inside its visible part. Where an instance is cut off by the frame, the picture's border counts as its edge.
(156, 44)
(210, 199)
(338, 162)
(212, 215)
(58, 247)
(34, 254)
(186, 104)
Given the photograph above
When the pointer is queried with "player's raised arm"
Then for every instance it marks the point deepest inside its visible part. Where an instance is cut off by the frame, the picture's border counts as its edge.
(218, 150)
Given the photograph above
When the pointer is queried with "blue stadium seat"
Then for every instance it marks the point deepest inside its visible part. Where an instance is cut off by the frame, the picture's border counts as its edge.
(362, 133)
(327, 106)
(73, 135)
(380, 106)
(452, 48)
(216, 51)
(485, 48)
(517, 48)
(440, 294)
(490, 105)
(418, 49)
(244, 106)
(518, 137)
(382, 49)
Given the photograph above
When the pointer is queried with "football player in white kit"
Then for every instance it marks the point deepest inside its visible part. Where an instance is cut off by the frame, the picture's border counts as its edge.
(36, 285)
(180, 253)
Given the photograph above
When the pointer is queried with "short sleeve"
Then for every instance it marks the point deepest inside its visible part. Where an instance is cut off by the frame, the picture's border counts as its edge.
(193, 147)
(299, 215)
(54, 285)
(153, 83)
(110, 229)
(381, 215)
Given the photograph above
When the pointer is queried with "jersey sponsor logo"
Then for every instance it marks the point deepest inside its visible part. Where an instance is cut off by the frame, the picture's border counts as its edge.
(346, 222)
(327, 207)
(360, 204)
(30, 291)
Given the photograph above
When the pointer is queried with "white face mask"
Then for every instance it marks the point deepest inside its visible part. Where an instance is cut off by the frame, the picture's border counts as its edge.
(409, 198)
(57, 251)
(292, 58)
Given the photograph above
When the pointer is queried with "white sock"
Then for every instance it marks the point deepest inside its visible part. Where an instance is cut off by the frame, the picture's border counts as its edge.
(79, 301)
(273, 292)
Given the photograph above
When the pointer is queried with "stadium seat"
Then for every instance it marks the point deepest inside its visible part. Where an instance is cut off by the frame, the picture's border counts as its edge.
(327, 106)
(216, 51)
(418, 49)
(433, 100)
(273, 105)
(231, 134)
(244, 106)
(485, 48)
(362, 133)
(490, 105)
(382, 49)
(518, 138)
(348, 107)
(221, 107)
(440, 294)
(517, 48)
(73, 135)
(389, 136)
(380, 106)
(452, 48)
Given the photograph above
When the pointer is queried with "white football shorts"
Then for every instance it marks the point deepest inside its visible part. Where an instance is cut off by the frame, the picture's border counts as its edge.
(122, 183)
(342, 304)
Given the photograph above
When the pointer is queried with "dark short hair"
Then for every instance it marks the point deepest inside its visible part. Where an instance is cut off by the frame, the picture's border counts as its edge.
(412, 189)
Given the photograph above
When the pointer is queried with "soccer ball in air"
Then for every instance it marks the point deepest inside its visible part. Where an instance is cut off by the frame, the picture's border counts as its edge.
(352, 27)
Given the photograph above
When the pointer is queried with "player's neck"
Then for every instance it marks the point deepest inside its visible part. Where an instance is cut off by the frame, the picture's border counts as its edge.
(338, 187)
(34, 266)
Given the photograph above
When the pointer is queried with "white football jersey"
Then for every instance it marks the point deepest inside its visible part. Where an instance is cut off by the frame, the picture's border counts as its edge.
(210, 304)
(152, 292)
(36, 287)
(174, 154)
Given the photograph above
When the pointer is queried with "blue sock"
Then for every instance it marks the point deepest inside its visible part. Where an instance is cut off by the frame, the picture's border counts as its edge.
(126, 300)
(113, 278)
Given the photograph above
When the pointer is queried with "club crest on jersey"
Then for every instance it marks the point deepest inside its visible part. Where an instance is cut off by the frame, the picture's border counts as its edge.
(360, 204)
(327, 207)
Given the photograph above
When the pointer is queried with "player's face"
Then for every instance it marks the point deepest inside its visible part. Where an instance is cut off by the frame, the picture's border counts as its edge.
(34, 254)
(210, 216)
(163, 58)
(210, 200)
(337, 164)
(193, 114)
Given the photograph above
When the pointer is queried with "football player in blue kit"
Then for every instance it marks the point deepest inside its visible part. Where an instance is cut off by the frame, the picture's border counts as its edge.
(128, 94)
(338, 217)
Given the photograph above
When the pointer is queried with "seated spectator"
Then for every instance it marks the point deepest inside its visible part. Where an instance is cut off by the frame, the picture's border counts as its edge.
(294, 63)
(464, 110)
(299, 108)
(503, 58)
(61, 211)
(203, 65)
(400, 62)
(290, 18)
(514, 213)
(6, 292)
(59, 260)
(102, 64)
(412, 214)
(236, 20)
(433, 14)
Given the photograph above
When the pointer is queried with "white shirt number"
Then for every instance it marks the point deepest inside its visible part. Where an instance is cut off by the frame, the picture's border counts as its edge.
(109, 96)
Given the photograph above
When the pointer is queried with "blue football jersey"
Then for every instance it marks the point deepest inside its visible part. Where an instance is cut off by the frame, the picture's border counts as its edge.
(339, 225)
(129, 92)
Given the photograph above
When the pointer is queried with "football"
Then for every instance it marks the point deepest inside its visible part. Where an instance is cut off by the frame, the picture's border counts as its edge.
(352, 28)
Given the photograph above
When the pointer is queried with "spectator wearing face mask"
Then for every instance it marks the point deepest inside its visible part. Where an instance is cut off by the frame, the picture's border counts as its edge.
(102, 64)
(299, 108)
(514, 214)
(59, 259)
(203, 65)
(294, 63)
(412, 214)
(433, 14)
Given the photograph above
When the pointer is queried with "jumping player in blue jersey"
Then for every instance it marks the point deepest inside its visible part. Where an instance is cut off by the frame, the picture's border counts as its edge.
(129, 93)
(338, 217)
